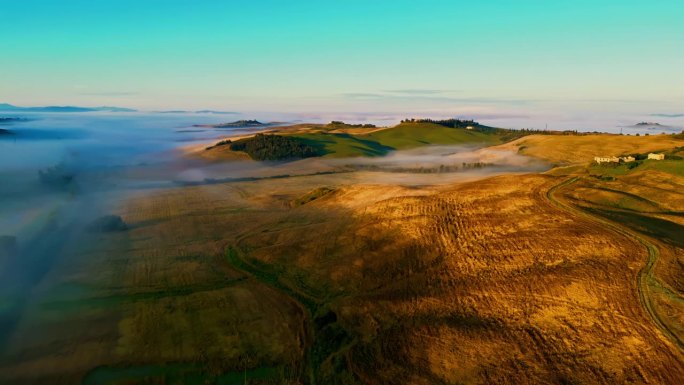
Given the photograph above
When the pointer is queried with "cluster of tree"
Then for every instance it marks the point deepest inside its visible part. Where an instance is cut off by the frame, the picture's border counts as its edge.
(451, 123)
(506, 134)
(274, 147)
(403, 170)
(239, 123)
(58, 176)
(477, 165)
(338, 123)
(419, 170)
(107, 224)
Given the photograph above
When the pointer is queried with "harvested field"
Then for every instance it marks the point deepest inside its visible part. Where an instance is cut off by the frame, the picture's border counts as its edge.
(320, 279)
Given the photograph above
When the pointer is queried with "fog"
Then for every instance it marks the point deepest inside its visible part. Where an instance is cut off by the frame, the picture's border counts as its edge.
(63, 173)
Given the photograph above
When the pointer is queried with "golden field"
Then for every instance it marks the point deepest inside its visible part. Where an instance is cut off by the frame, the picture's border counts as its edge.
(581, 149)
(336, 279)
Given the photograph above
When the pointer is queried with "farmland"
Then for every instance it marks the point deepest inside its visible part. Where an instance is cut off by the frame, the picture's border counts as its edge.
(555, 277)
(338, 140)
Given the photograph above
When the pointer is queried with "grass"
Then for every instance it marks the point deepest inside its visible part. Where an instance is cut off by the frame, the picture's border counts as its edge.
(670, 166)
(675, 167)
(401, 137)
(378, 142)
(581, 149)
(344, 145)
(411, 135)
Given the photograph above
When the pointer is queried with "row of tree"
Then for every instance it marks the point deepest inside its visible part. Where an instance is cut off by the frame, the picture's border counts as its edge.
(338, 123)
(451, 123)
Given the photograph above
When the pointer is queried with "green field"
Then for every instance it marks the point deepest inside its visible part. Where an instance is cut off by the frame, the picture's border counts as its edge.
(411, 135)
(401, 137)
(344, 145)
(670, 166)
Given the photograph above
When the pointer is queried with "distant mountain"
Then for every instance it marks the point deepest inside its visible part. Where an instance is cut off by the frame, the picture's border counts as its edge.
(654, 126)
(239, 123)
(9, 107)
(5, 132)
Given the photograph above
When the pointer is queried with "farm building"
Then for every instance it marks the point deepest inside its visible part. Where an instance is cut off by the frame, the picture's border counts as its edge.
(656, 156)
(606, 159)
(627, 159)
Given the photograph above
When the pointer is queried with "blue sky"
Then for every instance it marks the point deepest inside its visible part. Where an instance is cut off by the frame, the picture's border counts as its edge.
(451, 57)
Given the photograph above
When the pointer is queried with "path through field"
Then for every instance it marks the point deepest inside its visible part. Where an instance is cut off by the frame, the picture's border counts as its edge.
(645, 276)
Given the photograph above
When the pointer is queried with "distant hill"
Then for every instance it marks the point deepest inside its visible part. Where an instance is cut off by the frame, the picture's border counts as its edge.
(236, 124)
(5, 132)
(406, 135)
(4, 119)
(654, 126)
(349, 140)
(10, 107)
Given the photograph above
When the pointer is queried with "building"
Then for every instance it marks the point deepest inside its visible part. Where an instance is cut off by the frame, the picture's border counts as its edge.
(656, 156)
(606, 159)
(627, 159)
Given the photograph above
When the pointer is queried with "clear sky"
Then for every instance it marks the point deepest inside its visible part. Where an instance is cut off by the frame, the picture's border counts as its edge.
(491, 57)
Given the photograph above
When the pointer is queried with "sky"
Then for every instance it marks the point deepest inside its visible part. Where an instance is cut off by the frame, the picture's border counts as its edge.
(486, 59)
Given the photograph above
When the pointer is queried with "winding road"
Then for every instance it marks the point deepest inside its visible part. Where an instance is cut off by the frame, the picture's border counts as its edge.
(645, 274)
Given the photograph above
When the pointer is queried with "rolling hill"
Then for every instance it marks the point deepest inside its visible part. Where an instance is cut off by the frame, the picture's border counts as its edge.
(342, 141)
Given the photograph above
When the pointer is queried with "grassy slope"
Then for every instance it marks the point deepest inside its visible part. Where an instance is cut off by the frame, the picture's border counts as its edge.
(411, 135)
(401, 137)
(343, 145)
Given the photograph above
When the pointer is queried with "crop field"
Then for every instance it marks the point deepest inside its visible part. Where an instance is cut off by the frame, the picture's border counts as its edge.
(563, 277)
(572, 149)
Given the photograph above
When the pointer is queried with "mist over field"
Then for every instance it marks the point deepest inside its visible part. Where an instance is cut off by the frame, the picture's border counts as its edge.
(111, 215)
(61, 172)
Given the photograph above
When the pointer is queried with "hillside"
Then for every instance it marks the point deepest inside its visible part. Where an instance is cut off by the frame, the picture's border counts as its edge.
(236, 124)
(581, 149)
(340, 140)
(314, 283)
(10, 107)
(411, 135)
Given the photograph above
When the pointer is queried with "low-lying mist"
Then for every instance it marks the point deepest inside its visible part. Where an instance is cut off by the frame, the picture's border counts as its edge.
(422, 166)
(63, 178)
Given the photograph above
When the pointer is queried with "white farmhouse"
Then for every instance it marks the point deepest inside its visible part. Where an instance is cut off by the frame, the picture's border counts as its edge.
(606, 159)
(656, 156)
(627, 159)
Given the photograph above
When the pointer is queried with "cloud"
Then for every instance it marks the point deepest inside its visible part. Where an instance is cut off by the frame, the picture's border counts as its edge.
(668, 115)
(430, 96)
(418, 91)
(362, 95)
(109, 93)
